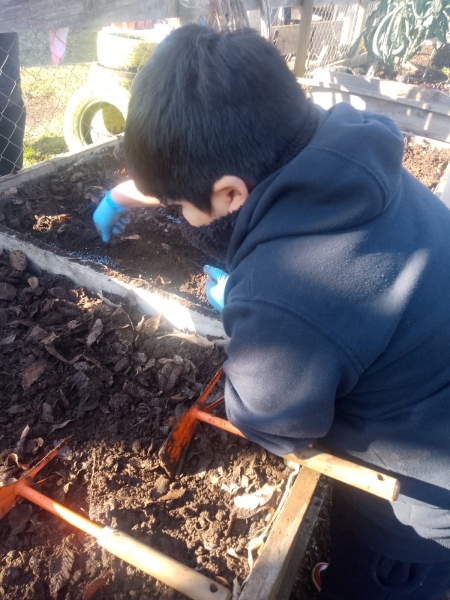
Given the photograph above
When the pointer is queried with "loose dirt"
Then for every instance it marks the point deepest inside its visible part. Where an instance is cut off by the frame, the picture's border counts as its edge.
(113, 382)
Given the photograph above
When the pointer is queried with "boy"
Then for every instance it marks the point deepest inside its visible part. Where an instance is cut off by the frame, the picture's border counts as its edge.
(337, 301)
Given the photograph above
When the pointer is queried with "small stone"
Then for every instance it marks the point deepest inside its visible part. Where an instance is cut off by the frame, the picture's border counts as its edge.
(7, 291)
(18, 260)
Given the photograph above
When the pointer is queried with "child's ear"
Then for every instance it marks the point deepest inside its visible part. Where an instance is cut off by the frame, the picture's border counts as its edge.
(229, 193)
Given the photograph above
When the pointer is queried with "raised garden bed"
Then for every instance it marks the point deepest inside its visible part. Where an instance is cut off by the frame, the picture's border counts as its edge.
(96, 370)
(111, 396)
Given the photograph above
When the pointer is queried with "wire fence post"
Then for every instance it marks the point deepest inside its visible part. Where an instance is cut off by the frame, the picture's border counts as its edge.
(303, 37)
(361, 18)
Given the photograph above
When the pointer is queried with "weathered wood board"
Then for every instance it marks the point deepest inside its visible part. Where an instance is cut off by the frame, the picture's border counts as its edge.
(20, 15)
(274, 572)
(419, 111)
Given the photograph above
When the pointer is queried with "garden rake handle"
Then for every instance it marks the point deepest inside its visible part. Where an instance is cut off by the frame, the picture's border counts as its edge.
(366, 479)
(192, 584)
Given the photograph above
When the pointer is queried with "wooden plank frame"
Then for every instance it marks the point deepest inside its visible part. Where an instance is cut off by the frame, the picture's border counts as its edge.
(23, 15)
(276, 567)
(416, 111)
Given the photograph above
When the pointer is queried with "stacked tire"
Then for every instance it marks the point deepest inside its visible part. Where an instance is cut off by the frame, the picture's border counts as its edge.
(98, 110)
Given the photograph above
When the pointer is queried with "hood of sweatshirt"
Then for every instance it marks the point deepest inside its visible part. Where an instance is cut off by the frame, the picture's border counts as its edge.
(349, 172)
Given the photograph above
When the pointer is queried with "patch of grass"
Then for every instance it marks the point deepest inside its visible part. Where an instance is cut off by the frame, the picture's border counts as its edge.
(43, 149)
(446, 71)
(47, 88)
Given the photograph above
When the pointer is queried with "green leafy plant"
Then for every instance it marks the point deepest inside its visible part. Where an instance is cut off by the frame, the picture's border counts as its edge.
(396, 30)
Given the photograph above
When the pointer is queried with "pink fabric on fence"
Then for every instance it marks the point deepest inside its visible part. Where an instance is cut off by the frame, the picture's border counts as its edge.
(58, 40)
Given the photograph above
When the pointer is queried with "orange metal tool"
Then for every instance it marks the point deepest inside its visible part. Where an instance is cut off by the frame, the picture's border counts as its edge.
(172, 453)
(174, 574)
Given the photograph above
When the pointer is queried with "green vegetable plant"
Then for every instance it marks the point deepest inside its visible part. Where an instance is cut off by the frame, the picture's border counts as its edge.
(396, 30)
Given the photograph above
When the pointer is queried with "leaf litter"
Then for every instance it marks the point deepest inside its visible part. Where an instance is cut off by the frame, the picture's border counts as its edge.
(111, 379)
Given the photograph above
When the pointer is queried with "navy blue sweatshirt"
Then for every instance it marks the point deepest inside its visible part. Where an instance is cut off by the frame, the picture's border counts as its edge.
(338, 313)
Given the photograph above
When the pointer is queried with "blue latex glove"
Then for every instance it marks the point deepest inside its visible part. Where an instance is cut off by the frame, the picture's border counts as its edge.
(109, 218)
(215, 286)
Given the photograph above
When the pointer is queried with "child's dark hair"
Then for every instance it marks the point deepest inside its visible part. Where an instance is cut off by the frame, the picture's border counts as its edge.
(210, 104)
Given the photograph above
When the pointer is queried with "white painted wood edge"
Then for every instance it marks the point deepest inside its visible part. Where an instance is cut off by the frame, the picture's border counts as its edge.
(148, 302)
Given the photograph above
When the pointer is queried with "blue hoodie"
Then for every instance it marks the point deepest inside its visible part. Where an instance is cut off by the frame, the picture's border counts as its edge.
(338, 315)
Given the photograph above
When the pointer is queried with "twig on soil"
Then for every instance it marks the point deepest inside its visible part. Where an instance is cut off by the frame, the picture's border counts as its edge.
(106, 301)
(139, 422)
(92, 478)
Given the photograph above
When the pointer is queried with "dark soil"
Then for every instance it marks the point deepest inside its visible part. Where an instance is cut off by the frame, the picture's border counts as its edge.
(58, 211)
(113, 383)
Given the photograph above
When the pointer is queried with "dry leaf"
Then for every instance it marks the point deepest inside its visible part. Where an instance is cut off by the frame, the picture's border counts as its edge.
(33, 282)
(151, 363)
(36, 335)
(139, 357)
(151, 325)
(60, 425)
(258, 498)
(18, 517)
(95, 586)
(32, 446)
(60, 570)
(47, 413)
(59, 292)
(8, 340)
(50, 339)
(18, 260)
(23, 437)
(7, 291)
(80, 380)
(52, 350)
(66, 452)
(173, 495)
(86, 406)
(169, 375)
(95, 332)
(231, 489)
(12, 191)
(16, 409)
(33, 372)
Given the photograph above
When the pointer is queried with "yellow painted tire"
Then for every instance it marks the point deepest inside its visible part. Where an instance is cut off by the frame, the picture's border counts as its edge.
(95, 114)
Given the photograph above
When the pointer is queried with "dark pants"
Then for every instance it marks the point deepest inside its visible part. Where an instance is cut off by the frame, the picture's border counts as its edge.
(12, 110)
(357, 573)
(12, 127)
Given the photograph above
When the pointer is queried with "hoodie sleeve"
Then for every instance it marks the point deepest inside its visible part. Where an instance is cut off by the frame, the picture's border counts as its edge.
(282, 376)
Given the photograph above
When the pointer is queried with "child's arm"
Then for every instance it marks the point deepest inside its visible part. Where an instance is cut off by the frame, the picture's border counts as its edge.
(126, 194)
(110, 216)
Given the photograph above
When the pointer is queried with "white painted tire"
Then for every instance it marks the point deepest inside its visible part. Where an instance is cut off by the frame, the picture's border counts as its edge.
(124, 50)
(95, 114)
(100, 77)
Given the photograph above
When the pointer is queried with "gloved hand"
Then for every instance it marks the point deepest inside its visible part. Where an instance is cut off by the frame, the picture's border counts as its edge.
(215, 286)
(109, 218)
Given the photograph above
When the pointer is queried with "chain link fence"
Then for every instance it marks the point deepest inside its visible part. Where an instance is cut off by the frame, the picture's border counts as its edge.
(62, 89)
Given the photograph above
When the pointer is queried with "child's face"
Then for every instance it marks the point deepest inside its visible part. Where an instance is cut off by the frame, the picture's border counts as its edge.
(197, 217)
(229, 194)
